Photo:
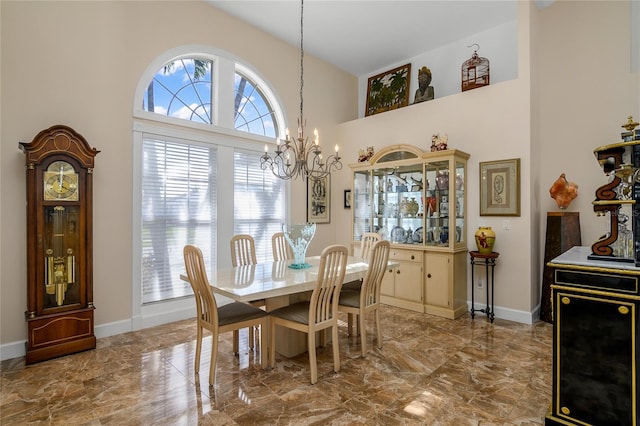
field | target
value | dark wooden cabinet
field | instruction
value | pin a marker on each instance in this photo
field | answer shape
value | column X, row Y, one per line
column 595, row 346
column 59, row 244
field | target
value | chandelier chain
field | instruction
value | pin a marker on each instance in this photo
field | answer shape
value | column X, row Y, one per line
column 301, row 60
column 299, row 157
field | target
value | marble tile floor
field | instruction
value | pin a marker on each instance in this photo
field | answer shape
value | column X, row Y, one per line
column 430, row 371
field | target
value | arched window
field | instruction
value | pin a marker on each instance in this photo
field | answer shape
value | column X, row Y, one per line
column 198, row 178
column 183, row 88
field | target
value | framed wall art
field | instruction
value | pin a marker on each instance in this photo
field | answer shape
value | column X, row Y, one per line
column 319, row 200
column 388, row 90
column 347, row 198
column 500, row 188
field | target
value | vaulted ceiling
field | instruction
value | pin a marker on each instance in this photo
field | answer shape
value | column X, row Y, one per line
column 364, row 36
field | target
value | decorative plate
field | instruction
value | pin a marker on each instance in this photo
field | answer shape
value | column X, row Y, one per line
column 418, row 235
column 397, row 234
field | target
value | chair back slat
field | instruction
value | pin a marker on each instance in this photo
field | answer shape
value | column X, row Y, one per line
column 333, row 265
column 243, row 250
column 206, row 307
column 367, row 242
column 281, row 249
column 370, row 292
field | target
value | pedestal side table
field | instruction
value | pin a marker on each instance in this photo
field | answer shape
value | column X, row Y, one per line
column 489, row 262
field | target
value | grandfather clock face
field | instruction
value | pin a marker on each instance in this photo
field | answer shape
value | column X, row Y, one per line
column 60, row 182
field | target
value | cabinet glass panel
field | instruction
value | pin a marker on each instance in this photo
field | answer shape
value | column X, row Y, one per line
column 437, row 202
column 398, row 203
column 459, row 206
column 361, row 204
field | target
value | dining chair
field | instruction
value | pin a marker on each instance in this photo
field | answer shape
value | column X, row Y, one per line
column 217, row 320
column 243, row 252
column 317, row 314
column 367, row 241
column 281, row 249
column 368, row 299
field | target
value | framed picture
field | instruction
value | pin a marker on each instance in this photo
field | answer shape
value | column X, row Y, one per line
column 319, row 200
column 347, row 198
column 500, row 188
column 388, row 90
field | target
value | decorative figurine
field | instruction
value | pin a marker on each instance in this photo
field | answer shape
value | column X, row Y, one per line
column 424, row 92
column 365, row 155
column 563, row 191
column 439, row 143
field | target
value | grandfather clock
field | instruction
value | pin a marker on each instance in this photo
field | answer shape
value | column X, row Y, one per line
column 59, row 244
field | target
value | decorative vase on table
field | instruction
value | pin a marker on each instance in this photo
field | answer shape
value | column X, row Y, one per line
column 485, row 239
column 299, row 237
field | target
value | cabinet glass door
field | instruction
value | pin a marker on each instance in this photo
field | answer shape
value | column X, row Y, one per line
column 398, row 203
column 459, row 204
column 437, row 203
column 361, row 204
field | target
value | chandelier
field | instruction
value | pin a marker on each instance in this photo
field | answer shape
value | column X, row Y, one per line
column 298, row 157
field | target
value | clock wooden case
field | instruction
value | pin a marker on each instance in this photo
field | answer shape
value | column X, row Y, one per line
column 59, row 244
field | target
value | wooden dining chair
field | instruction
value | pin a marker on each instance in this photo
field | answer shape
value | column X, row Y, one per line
column 367, row 241
column 317, row 314
column 243, row 252
column 281, row 249
column 217, row 320
column 368, row 299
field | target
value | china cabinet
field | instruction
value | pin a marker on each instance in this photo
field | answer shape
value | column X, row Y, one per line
column 416, row 200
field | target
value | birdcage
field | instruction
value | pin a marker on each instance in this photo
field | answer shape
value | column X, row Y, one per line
column 475, row 71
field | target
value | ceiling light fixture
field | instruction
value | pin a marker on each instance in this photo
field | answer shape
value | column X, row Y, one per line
column 296, row 157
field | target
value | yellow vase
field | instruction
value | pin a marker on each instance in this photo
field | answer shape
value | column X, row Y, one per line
column 485, row 239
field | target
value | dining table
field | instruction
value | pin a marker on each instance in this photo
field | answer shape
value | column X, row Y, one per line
column 278, row 284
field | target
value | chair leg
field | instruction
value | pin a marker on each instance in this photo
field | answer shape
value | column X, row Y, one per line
column 236, row 344
column 214, row 358
column 378, row 328
column 313, row 365
column 358, row 330
column 363, row 334
column 272, row 344
column 336, row 349
column 198, row 349
column 263, row 345
column 251, row 344
column 349, row 324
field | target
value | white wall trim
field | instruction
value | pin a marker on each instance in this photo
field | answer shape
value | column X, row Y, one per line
column 522, row 317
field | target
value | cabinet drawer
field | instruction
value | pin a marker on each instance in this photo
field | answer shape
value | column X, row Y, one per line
column 406, row 255
column 597, row 281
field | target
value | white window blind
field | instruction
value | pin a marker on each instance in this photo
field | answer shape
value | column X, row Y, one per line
column 178, row 208
column 259, row 202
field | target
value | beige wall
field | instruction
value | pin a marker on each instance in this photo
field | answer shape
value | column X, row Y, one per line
column 573, row 91
column 78, row 63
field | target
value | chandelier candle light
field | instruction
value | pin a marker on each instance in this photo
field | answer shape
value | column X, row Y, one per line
column 297, row 157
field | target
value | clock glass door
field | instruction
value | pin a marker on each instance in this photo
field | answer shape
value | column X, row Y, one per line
column 61, row 245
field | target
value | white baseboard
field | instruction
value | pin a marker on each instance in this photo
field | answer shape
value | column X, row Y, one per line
column 510, row 314
column 151, row 317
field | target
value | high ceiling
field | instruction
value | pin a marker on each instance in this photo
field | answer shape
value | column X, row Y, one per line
column 364, row 36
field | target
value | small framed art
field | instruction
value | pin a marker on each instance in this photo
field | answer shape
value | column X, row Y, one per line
column 500, row 188
column 347, row 198
column 319, row 200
